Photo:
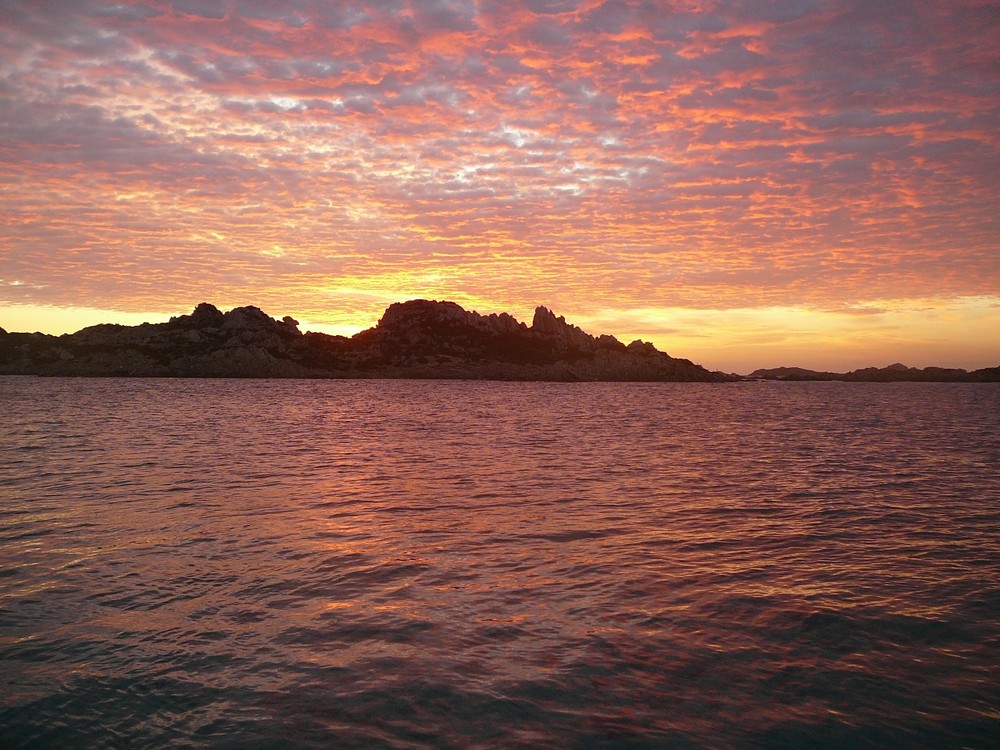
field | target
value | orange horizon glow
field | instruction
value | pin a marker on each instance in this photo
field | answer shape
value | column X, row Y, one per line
column 745, row 185
column 733, row 341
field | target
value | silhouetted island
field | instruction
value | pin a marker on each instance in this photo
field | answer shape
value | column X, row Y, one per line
column 416, row 339
column 894, row 373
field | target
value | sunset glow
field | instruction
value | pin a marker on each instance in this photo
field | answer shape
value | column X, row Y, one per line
column 745, row 184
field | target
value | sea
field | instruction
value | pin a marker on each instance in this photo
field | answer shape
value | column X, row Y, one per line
column 466, row 564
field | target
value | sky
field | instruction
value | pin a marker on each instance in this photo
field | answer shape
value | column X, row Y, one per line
column 750, row 183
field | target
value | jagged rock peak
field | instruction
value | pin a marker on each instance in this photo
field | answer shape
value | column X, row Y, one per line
column 431, row 313
column 249, row 312
column 254, row 319
column 402, row 313
column 642, row 347
column 546, row 323
column 204, row 315
column 207, row 315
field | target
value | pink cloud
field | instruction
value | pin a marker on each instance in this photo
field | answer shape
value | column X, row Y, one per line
column 713, row 153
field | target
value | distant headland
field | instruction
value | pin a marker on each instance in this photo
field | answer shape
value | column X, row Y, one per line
column 423, row 339
column 895, row 373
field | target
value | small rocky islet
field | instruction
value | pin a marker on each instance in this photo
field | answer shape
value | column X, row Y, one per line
column 894, row 373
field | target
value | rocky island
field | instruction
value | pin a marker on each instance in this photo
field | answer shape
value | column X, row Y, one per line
column 415, row 339
column 894, row 373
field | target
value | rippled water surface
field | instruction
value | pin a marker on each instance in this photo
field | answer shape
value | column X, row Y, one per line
column 399, row 564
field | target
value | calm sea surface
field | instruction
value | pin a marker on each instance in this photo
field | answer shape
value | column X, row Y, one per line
column 403, row 564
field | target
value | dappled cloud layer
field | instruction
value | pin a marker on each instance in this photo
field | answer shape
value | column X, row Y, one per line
column 659, row 165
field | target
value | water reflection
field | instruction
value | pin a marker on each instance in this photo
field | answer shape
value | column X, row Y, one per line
column 466, row 564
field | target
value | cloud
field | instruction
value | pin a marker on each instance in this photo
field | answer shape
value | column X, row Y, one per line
column 547, row 7
column 627, row 152
column 199, row 8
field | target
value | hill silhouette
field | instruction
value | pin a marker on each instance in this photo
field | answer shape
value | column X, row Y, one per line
column 894, row 373
column 415, row 339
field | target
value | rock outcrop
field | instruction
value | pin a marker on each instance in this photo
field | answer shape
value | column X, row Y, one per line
column 416, row 339
column 244, row 342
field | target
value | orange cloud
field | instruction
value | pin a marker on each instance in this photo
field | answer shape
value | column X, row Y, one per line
column 633, row 156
